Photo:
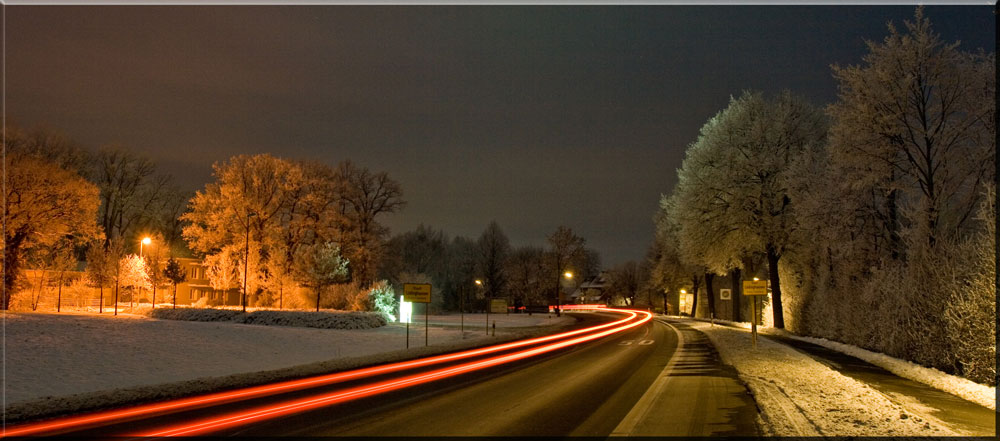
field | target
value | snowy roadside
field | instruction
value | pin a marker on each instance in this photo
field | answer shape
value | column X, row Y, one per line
column 68, row 363
column 960, row 387
column 977, row 393
column 799, row 396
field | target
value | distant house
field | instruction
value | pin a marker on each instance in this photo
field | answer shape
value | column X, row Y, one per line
column 591, row 291
column 197, row 286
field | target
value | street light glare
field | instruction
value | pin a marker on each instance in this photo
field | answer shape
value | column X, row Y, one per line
column 479, row 282
column 568, row 275
column 146, row 240
column 755, row 279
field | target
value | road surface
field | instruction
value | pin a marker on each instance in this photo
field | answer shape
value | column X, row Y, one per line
column 654, row 379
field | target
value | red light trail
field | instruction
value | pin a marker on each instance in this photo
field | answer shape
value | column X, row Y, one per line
column 286, row 386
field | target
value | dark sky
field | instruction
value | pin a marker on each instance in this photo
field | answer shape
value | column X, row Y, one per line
column 530, row 116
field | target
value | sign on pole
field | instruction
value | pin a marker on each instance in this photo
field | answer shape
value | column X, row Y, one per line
column 725, row 294
column 417, row 292
column 498, row 306
column 755, row 287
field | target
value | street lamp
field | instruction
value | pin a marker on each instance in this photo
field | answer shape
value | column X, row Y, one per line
column 567, row 275
column 246, row 265
column 145, row 241
column 479, row 283
column 681, row 300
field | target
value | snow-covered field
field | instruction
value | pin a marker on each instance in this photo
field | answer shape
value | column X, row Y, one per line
column 799, row 396
column 57, row 355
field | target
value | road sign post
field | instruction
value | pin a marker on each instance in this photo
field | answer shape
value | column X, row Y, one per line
column 755, row 288
column 418, row 293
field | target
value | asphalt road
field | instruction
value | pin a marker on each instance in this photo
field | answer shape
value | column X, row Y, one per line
column 587, row 390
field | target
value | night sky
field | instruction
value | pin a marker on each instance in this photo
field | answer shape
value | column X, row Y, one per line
column 531, row 116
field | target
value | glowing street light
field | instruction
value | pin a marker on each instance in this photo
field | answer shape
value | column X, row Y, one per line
column 145, row 241
column 246, row 265
column 479, row 283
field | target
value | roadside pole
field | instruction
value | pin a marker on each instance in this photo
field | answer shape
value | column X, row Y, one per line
column 417, row 293
column 755, row 288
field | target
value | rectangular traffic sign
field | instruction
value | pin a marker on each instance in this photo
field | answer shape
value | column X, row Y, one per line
column 725, row 294
column 417, row 292
column 755, row 287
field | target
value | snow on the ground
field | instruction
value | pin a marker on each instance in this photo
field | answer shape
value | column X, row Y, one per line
column 308, row 319
column 977, row 393
column 51, row 356
column 799, row 396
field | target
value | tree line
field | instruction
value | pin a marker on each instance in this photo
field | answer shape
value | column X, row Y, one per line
column 525, row 276
column 277, row 221
column 873, row 219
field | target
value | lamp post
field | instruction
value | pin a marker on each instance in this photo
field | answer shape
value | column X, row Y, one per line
column 246, row 265
column 479, row 283
column 568, row 275
column 145, row 241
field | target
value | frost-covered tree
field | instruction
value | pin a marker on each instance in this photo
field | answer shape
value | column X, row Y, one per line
column 382, row 299
column 321, row 266
column 915, row 126
column 134, row 275
column 43, row 203
column 221, row 271
column 732, row 196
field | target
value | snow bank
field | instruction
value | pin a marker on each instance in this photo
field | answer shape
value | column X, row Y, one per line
column 62, row 363
column 977, row 393
column 308, row 319
column 799, row 396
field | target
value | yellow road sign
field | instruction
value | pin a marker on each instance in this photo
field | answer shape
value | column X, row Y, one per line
column 755, row 288
column 417, row 292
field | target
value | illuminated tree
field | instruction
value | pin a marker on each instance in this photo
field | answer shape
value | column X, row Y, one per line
column 100, row 268
column 732, row 194
column 221, row 270
column 43, row 204
column 134, row 275
column 321, row 266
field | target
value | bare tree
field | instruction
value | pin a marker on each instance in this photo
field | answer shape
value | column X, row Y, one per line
column 494, row 247
column 565, row 248
column 365, row 195
column 131, row 192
